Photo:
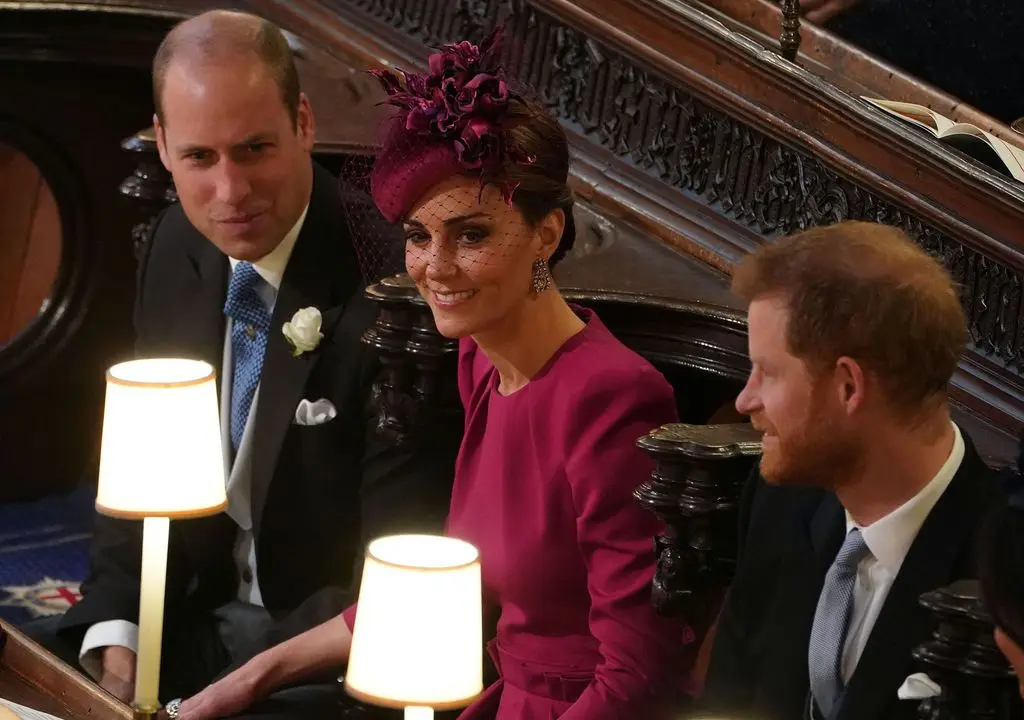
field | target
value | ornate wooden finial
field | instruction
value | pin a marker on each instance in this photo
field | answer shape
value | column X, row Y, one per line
column 962, row 658
column 698, row 476
column 150, row 184
column 789, row 41
column 413, row 356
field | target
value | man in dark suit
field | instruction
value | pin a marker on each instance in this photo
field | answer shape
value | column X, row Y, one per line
column 868, row 494
column 254, row 272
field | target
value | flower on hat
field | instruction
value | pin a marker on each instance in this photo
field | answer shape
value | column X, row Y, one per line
column 463, row 99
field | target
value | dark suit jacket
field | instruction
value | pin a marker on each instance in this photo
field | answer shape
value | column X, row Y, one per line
column 788, row 539
column 318, row 492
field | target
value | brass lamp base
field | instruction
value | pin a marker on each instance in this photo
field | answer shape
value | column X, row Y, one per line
column 145, row 712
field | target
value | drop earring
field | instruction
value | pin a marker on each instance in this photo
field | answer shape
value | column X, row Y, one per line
column 541, row 279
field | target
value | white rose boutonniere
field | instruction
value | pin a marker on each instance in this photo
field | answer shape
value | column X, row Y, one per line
column 303, row 331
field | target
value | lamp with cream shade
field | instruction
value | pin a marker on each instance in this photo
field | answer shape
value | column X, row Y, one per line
column 417, row 643
column 161, row 458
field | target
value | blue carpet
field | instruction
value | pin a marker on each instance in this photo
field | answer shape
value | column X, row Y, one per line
column 44, row 554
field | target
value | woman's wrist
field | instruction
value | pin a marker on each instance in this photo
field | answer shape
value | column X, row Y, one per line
column 269, row 670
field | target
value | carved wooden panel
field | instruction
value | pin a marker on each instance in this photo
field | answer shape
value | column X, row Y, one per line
column 694, row 150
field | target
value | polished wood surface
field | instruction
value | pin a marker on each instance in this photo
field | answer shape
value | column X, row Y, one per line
column 697, row 136
column 31, row 676
column 849, row 67
column 693, row 144
column 73, row 85
column 962, row 658
column 29, row 242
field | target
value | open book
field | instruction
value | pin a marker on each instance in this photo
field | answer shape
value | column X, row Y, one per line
column 968, row 139
column 10, row 710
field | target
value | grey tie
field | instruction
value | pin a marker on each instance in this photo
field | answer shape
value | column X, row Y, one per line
column 831, row 620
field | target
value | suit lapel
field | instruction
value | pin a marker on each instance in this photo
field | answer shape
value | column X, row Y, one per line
column 931, row 563
column 320, row 275
column 803, row 576
column 827, row 530
column 202, row 331
column 204, row 324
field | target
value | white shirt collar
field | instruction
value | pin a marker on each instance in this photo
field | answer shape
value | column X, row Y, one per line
column 271, row 266
column 889, row 538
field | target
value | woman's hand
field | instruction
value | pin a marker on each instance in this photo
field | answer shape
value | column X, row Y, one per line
column 230, row 695
column 325, row 646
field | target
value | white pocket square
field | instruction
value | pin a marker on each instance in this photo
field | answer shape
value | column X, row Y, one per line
column 317, row 412
column 918, row 687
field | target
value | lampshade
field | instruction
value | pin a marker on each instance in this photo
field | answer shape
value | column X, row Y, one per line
column 418, row 637
column 161, row 452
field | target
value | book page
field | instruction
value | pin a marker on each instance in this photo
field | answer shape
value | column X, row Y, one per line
column 1011, row 156
column 23, row 713
column 917, row 114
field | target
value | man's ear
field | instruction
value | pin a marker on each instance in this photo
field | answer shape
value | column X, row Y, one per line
column 161, row 142
column 305, row 123
column 851, row 384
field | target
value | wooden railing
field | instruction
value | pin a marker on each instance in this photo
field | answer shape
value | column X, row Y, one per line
column 693, row 144
column 712, row 143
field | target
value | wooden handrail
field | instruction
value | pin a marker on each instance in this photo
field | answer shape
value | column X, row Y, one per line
column 849, row 67
column 32, row 676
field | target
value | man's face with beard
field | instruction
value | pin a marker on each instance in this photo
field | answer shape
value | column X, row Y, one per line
column 807, row 437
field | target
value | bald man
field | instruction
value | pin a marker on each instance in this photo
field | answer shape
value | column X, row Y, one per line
column 258, row 235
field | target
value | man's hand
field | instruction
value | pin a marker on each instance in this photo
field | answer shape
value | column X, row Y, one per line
column 118, row 677
column 821, row 11
column 228, row 696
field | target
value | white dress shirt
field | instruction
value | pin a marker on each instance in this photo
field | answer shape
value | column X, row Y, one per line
column 888, row 540
column 271, row 268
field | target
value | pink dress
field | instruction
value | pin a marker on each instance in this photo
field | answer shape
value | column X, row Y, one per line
column 543, row 487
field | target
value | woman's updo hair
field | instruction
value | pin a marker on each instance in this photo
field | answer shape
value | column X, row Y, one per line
column 543, row 185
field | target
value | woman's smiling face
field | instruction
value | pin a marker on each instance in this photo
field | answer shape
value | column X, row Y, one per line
column 470, row 254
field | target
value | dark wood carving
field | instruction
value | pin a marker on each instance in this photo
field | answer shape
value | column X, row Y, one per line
column 698, row 476
column 150, row 184
column 766, row 185
column 677, row 141
column 418, row 370
column 688, row 151
column 789, row 41
column 962, row 658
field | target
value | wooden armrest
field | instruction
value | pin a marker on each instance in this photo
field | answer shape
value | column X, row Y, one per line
column 32, row 676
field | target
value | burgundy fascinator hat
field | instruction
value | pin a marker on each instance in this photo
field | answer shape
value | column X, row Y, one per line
column 451, row 120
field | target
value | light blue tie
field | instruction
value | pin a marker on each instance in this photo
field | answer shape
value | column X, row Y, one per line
column 250, row 328
column 831, row 621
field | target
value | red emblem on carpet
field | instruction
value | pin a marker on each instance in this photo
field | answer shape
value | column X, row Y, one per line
column 45, row 598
